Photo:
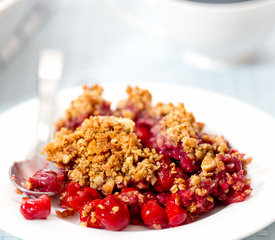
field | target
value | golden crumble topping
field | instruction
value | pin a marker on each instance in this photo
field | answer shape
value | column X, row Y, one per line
column 102, row 153
column 138, row 100
column 161, row 109
column 179, row 124
column 105, row 152
column 88, row 103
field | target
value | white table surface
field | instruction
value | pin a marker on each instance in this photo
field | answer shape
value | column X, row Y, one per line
column 98, row 47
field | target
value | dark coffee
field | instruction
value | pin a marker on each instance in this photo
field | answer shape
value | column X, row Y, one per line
column 219, row 1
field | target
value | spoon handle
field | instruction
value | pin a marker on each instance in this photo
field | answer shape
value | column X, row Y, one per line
column 49, row 75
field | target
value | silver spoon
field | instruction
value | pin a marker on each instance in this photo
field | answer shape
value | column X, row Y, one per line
column 49, row 74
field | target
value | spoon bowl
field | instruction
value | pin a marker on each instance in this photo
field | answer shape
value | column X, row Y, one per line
column 20, row 173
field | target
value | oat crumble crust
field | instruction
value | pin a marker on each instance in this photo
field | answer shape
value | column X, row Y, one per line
column 89, row 102
column 105, row 152
column 102, row 153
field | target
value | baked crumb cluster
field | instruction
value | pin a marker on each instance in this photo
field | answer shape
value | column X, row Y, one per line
column 139, row 100
column 102, row 153
column 90, row 102
column 154, row 159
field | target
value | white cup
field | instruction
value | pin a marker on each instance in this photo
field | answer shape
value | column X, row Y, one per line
column 226, row 32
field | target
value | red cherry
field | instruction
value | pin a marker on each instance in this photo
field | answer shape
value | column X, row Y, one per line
column 178, row 153
column 74, row 196
column 166, row 175
column 149, row 195
column 163, row 198
column 88, row 215
column 71, row 188
column 45, row 180
column 165, row 180
column 153, row 215
column 39, row 208
column 131, row 196
column 143, row 133
column 239, row 196
column 84, row 196
column 134, row 200
column 176, row 214
column 113, row 213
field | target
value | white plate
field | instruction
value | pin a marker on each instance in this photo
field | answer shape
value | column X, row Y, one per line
column 248, row 129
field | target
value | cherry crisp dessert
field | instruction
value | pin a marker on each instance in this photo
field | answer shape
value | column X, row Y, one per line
column 141, row 164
